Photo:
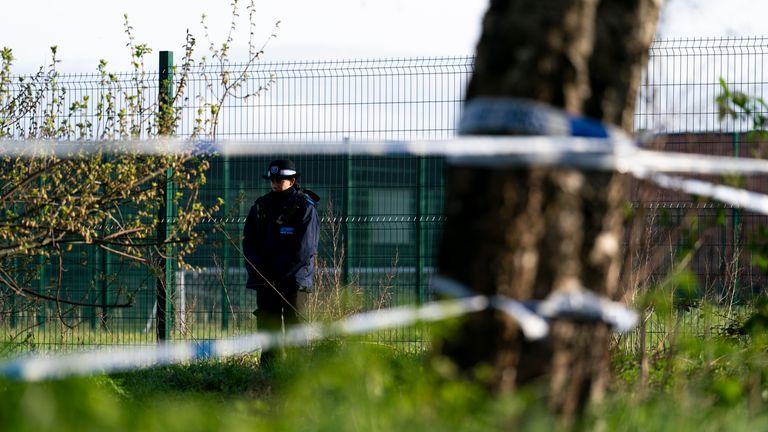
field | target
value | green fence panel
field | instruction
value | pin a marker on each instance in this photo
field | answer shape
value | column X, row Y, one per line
column 381, row 215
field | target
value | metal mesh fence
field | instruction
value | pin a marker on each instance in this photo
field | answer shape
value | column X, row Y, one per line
column 381, row 216
column 681, row 84
column 80, row 106
column 395, row 99
column 386, row 211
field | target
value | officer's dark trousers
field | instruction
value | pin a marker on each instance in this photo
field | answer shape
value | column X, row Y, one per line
column 274, row 310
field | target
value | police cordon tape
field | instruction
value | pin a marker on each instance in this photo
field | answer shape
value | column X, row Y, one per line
column 609, row 153
column 576, row 305
column 744, row 199
column 111, row 360
column 550, row 137
column 612, row 153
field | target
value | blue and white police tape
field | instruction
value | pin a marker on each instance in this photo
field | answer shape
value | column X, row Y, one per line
column 551, row 137
column 741, row 198
column 575, row 306
column 112, row 359
column 574, row 303
column 489, row 152
column 517, row 116
column 456, row 147
column 510, row 116
column 641, row 162
column 613, row 153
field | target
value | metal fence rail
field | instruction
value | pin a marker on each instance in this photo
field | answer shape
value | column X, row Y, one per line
column 382, row 214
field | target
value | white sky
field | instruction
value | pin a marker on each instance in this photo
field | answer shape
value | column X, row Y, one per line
column 88, row 30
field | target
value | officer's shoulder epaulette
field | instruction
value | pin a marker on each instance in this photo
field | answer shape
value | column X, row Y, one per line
column 311, row 197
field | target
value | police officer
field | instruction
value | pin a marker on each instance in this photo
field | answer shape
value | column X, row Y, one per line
column 279, row 243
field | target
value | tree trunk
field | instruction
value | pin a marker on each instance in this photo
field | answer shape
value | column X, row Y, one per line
column 525, row 232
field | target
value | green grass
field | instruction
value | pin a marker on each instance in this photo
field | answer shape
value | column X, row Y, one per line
column 719, row 382
column 336, row 386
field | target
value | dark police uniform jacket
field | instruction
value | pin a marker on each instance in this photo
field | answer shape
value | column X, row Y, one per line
column 280, row 240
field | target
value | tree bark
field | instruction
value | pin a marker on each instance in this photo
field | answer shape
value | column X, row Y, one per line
column 526, row 232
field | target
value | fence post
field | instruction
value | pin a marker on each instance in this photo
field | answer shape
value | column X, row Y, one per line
column 106, row 270
column 348, row 197
column 12, row 301
column 41, row 282
column 165, row 212
column 93, row 276
column 736, row 221
column 41, row 290
column 242, row 297
column 225, row 252
column 420, row 237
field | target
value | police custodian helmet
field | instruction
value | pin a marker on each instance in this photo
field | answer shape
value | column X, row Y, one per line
column 281, row 169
